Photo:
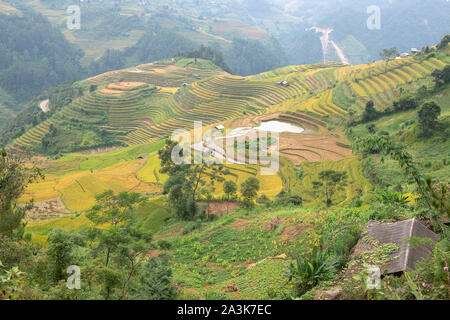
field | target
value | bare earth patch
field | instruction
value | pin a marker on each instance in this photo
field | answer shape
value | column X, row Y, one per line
column 316, row 143
column 308, row 147
column 125, row 85
column 154, row 253
column 290, row 232
column 147, row 122
column 47, row 209
column 252, row 121
column 218, row 207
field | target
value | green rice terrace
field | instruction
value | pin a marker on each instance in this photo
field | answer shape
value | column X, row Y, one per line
column 145, row 104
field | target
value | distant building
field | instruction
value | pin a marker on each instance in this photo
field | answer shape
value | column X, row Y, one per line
column 283, row 83
column 404, row 55
column 415, row 51
column 399, row 233
column 220, row 127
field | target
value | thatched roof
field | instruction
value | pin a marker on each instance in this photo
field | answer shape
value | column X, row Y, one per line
column 399, row 233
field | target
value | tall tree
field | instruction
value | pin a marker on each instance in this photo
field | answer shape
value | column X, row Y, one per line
column 230, row 188
column 441, row 77
column 249, row 191
column 60, row 247
column 370, row 113
column 187, row 182
column 15, row 175
column 132, row 248
column 155, row 281
column 428, row 117
column 329, row 182
column 387, row 54
column 112, row 209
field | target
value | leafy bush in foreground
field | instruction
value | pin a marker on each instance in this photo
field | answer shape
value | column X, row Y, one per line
column 308, row 271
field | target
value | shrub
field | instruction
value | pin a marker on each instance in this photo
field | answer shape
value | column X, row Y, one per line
column 343, row 243
column 405, row 103
column 164, row 244
column 191, row 226
column 263, row 200
column 308, row 271
column 389, row 212
column 299, row 173
column 155, row 281
column 10, row 283
column 371, row 128
column 357, row 202
column 392, row 197
column 216, row 295
column 286, row 199
column 338, row 237
column 213, row 217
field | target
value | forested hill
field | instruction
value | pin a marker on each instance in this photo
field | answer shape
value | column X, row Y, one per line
column 33, row 56
column 37, row 51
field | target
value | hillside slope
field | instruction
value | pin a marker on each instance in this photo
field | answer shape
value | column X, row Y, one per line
column 134, row 113
column 34, row 55
column 140, row 107
column 296, row 219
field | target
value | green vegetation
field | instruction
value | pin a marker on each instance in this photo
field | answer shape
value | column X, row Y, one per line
column 330, row 181
column 206, row 53
column 143, row 227
column 386, row 54
column 308, row 271
column 249, row 191
column 34, row 56
column 14, row 177
column 428, row 115
column 187, row 182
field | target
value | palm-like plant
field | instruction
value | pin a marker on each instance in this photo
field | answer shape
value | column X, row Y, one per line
column 308, row 271
column 393, row 197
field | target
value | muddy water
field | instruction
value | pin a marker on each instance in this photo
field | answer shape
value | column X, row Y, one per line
column 214, row 144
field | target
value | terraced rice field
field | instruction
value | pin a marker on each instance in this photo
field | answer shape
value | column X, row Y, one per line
column 271, row 185
column 141, row 113
column 120, row 107
column 357, row 184
column 380, row 84
column 167, row 73
column 316, row 143
column 220, row 98
column 75, row 179
column 35, row 134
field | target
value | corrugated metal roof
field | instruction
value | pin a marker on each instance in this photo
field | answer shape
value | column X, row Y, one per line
column 400, row 233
